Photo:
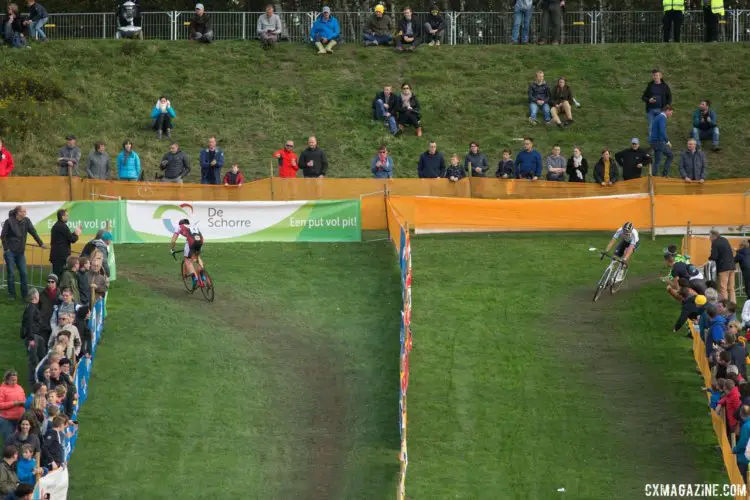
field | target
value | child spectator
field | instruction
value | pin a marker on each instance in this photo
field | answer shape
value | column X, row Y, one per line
column 716, row 391
column 730, row 401
column 739, row 448
column 162, row 115
column 382, row 165
column 455, row 171
column 505, row 166
column 577, row 166
column 234, row 177
column 26, row 465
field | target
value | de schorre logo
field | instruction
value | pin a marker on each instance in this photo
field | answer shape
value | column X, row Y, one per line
column 162, row 212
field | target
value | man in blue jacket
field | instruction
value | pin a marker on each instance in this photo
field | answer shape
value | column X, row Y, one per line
column 658, row 139
column 715, row 334
column 704, row 124
column 431, row 163
column 212, row 161
column 325, row 32
column 528, row 161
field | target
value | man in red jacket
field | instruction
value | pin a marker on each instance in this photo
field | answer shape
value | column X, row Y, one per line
column 6, row 161
column 287, row 160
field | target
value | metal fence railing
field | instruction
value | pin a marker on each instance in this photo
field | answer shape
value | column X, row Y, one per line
column 470, row 28
column 37, row 269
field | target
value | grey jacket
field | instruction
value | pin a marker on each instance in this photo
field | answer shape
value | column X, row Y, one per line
column 178, row 165
column 524, row 4
column 97, row 165
column 477, row 160
column 559, row 162
column 693, row 165
column 265, row 24
column 69, row 153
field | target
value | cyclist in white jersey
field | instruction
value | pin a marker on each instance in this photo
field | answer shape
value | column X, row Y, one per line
column 627, row 241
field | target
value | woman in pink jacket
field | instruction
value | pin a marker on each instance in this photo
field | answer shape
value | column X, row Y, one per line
column 12, row 400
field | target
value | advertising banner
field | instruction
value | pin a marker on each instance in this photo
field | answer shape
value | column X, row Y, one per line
column 90, row 216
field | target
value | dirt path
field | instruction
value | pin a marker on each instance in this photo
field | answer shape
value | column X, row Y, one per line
column 324, row 409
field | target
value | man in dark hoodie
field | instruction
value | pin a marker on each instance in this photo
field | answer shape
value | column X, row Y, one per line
column 431, row 163
column 61, row 238
column 13, row 235
column 656, row 96
column 175, row 164
column 633, row 160
column 201, row 28
column 313, row 160
column 434, row 28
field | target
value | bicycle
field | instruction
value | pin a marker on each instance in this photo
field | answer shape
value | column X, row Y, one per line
column 205, row 282
column 614, row 269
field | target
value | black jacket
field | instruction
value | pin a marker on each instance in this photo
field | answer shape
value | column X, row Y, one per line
column 661, row 92
column 413, row 102
column 436, row 22
column 629, row 159
column 37, row 12
column 46, row 308
column 61, row 237
column 14, row 232
column 458, row 171
column 570, row 169
column 722, row 254
column 505, row 168
column 599, row 171
column 84, row 287
column 178, row 165
column 416, row 27
column 739, row 357
column 392, row 103
column 30, row 322
column 53, row 448
column 319, row 159
column 431, row 166
column 201, row 24
column 743, row 259
column 690, row 310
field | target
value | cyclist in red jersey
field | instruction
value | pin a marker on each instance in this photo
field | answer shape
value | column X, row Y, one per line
column 193, row 245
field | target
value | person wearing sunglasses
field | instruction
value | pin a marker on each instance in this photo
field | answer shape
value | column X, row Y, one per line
column 287, row 158
column 409, row 110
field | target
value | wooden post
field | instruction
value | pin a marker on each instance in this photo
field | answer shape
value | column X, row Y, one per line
column 70, row 183
column 270, row 179
column 653, row 205
column 385, row 204
column 686, row 241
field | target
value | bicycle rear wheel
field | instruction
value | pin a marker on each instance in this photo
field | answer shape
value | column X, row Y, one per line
column 617, row 284
column 187, row 278
column 208, row 287
column 603, row 282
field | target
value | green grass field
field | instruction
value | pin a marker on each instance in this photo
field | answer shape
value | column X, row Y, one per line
column 254, row 100
column 286, row 386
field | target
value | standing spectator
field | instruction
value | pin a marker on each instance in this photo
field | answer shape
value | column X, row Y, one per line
column 556, row 166
column 577, row 166
column 633, row 160
column 26, row 464
column 409, row 110
column 382, row 165
column 684, row 271
column 692, row 307
column 741, row 445
column 528, row 161
column 97, row 164
column 455, row 172
column 693, row 163
column 8, row 478
column 31, row 326
column 605, row 170
column 175, row 164
column 712, row 11
column 723, row 256
column 551, row 21
column 12, row 400
column 539, row 96
column 212, row 161
column 660, row 142
column 743, row 260
column 673, row 14
column 287, row 158
column 384, row 108
column 434, row 28
column 38, row 18
column 730, row 401
column 13, row 235
column 325, row 32
column 69, row 278
column 61, row 238
column 562, row 100
column 522, row 12
column 268, row 28
column 47, row 301
column 505, row 166
column 102, row 246
column 128, row 163
column 705, row 125
column 13, row 28
column 201, row 27
column 6, row 161
column 714, row 336
column 410, row 32
column 736, row 349
column 69, row 157
column 475, row 161
column 313, row 160
column 379, row 30
column 84, row 281
column 162, row 115
column 24, row 435
column 22, row 492
column 656, row 96
column 53, row 451
column 431, row 163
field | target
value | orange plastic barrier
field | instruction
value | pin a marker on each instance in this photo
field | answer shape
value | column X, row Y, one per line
column 483, row 187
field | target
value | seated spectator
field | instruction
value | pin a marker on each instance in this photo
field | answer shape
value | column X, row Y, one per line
column 31, row 332
column 562, row 101
column 13, row 29
column 633, row 160
column 382, row 165
column 409, row 33
column 605, row 170
column 577, row 166
column 686, row 271
column 409, row 110
column 201, row 27
column 455, row 171
column 384, row 108
column 705, row 125
column 741, row 445
column 731, row 401
column 26, row 465
column 268, row 28
column 379, row 29
column 313, row 160
column 175, row 164
column 24, row 435
column 287, row 159
column 742, row 258
column 234, row 177
column 539, row 97
column 8, row 477
column 69, row 278
column 128, row 163
column 528, row 161
column 162, row 115
column 556, row 165
column 325, row 32
column 36, row 21
column 97, row 163
column 212, row 161
column 12, row 401
column 69, row 157
column 431, row 163
column 505, row 166
column 434, row 28
column 692, row 307
column 693, row 163
column 6, row 161
column 475, row 161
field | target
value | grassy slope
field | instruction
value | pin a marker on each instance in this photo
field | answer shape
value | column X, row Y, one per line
column 254, row 100
column 520, row 385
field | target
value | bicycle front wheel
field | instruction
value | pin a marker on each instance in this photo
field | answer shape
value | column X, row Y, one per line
column 208, row 287
column 618, row 279
column 603, row 282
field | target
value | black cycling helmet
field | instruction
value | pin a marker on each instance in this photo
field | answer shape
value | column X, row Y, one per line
column 184, row 222
column 627, row 228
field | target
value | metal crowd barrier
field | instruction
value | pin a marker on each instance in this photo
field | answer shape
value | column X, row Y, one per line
column 37, row 269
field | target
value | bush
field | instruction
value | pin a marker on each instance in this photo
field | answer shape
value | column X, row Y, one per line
column 15, row 86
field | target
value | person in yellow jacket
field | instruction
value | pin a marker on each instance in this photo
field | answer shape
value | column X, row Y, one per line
column 673, row 14
column 712, row 12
